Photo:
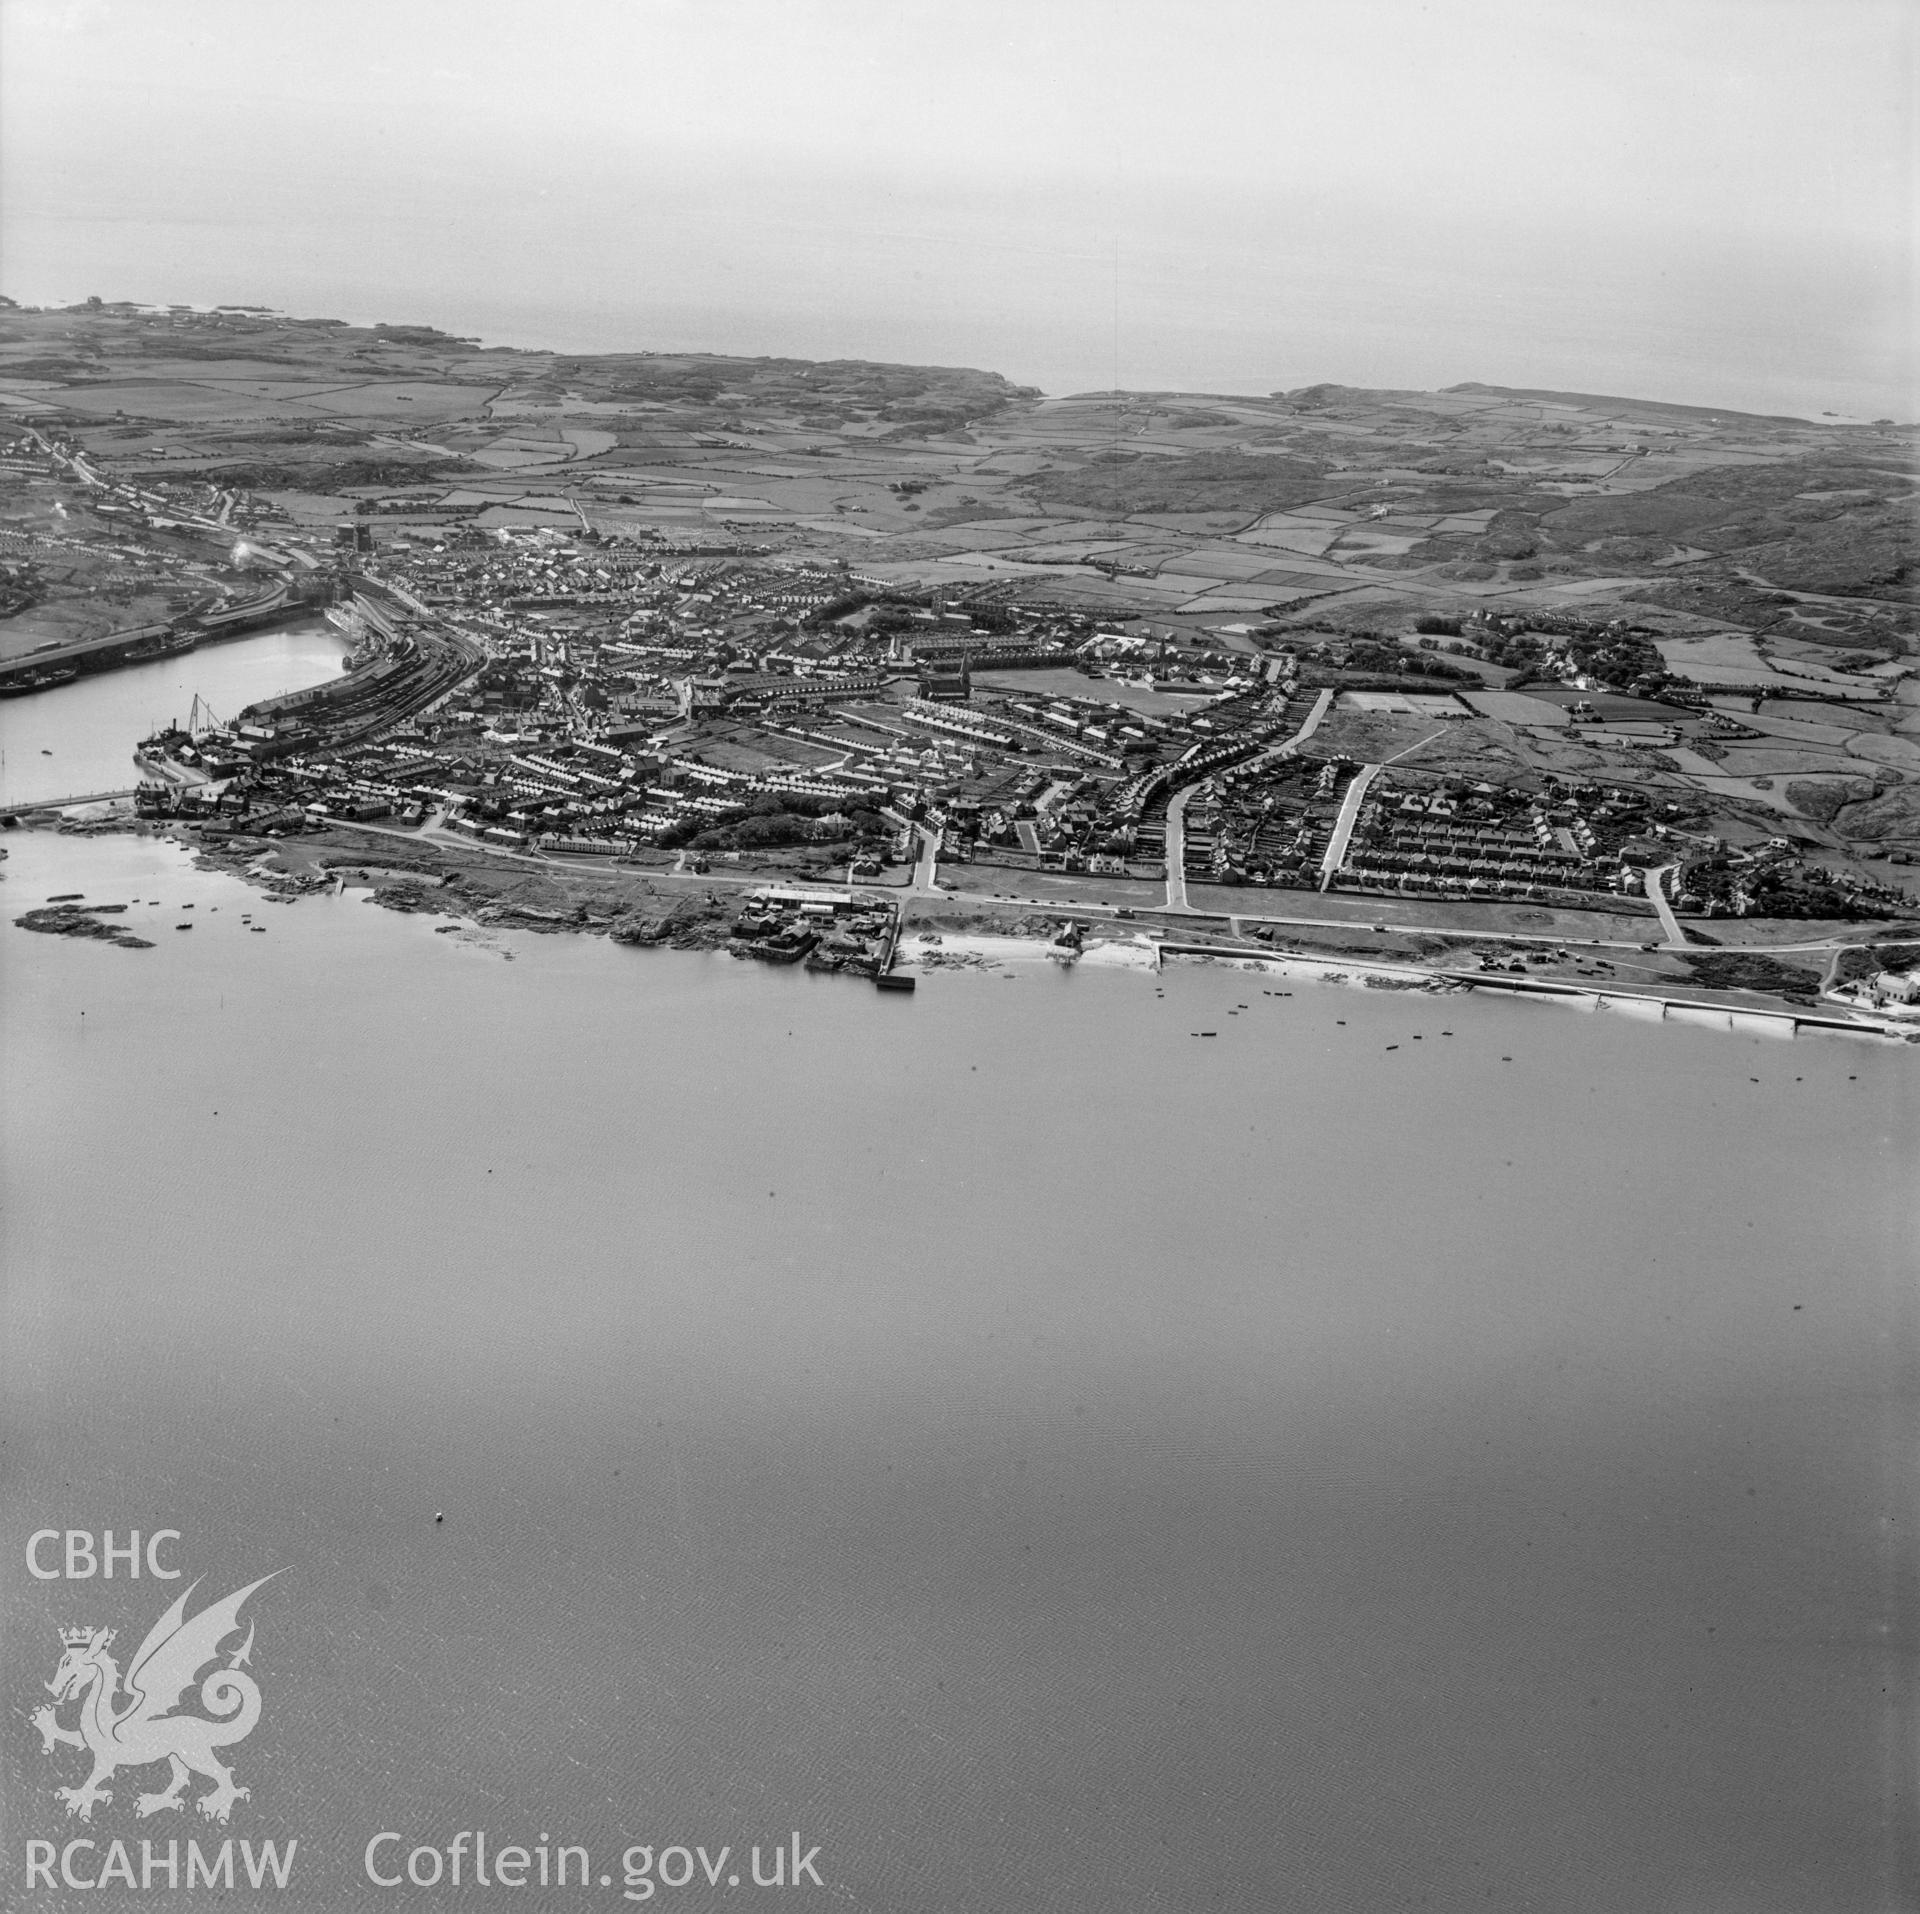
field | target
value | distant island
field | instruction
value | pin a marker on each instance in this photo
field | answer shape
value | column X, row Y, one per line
column 824, row 660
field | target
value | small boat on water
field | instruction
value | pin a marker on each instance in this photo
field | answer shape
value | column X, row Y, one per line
column 895, row 980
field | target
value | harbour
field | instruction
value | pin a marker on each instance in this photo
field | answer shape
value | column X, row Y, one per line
column 789, row 1089
column 89, row 730
column 59, row 664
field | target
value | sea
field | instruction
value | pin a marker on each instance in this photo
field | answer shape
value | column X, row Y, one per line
column 1220, row 293
column 994, row 1448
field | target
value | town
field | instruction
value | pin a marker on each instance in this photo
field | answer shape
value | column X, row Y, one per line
column 543, row 692
column 557, row 671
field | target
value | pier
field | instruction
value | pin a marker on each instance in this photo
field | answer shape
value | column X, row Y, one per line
column 67, row 803
column 143, row 643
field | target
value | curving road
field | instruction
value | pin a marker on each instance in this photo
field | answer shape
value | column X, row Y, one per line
column 1177, row 805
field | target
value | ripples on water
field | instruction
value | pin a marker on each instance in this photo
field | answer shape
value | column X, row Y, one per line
column 1052, row 1463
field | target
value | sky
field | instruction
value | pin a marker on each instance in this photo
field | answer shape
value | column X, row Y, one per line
column 1707, row 201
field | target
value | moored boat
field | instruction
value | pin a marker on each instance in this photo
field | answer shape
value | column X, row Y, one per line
column 38, row 680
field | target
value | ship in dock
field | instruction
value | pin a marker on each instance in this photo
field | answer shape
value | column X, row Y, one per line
column 140, row 644
column 21, row 683
column 163, row 642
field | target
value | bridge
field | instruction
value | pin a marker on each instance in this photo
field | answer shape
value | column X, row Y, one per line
column 66, row 803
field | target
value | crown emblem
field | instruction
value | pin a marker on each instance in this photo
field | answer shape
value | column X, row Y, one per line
column 149, row 1725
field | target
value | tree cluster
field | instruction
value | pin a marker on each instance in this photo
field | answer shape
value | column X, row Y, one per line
column 772, row 820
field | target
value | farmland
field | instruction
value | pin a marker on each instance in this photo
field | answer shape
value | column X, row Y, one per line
column 1709, row 619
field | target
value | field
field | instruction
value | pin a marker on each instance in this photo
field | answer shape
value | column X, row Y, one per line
column 1763, row 554
column 1205, row 508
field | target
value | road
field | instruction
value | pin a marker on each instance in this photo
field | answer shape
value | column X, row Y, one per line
column 1356, row 793
column 1321, row 706
column 1654, row 881
column 1343, row 824
column 927, row 869
column 1177, row 849
column 1177, row 805
column 1085, row 907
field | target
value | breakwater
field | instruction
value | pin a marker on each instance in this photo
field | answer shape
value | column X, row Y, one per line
column 1653, row 1007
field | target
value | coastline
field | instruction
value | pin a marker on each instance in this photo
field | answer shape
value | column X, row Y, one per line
column 478, row 892
column 820, row 1231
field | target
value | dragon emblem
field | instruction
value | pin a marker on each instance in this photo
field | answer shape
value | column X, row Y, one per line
column 138, row 1728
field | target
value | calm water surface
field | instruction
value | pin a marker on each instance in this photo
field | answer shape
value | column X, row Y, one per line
column 1053, row 1461
column 79, row 738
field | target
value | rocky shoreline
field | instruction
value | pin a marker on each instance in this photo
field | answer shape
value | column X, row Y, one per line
column 82, row 920
column 477, row 893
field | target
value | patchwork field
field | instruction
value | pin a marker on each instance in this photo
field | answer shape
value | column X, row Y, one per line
column 1769, row 555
